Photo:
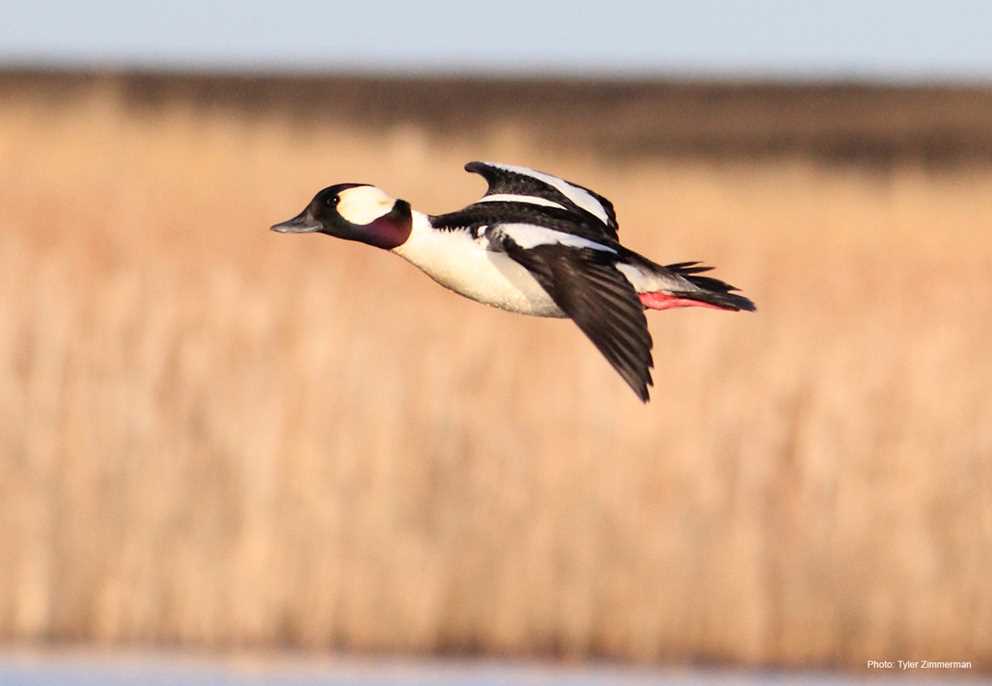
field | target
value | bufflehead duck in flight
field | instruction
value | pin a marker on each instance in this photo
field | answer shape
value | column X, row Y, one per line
column 534, row 244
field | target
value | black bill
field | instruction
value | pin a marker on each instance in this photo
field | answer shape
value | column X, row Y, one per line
column 301, row 223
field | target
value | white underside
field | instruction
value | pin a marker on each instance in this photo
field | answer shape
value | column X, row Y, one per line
column 463, row 264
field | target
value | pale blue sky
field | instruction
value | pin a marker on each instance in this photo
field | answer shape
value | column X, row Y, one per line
column 838, row 38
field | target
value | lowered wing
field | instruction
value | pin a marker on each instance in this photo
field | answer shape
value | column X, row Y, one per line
column 581, row 278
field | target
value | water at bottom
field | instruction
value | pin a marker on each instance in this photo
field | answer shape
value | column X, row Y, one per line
column 71, row 668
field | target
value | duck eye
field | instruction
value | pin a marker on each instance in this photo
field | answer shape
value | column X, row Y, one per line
column 331, row 201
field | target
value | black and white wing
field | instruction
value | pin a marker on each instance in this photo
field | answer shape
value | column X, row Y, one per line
column 510, row 183
column 581, row 278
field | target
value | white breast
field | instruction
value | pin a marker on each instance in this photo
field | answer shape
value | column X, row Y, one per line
column 462, row 263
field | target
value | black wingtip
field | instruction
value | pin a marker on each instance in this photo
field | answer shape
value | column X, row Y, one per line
column 644, row 395
column 479, row 167
column 639, row 379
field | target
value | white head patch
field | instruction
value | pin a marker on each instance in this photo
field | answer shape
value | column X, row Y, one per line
column 364, row 204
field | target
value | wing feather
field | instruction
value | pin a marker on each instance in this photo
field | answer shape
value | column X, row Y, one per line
column 513, row 183
column 587, row 286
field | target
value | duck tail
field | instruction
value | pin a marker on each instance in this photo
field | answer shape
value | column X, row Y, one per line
column 695, row 290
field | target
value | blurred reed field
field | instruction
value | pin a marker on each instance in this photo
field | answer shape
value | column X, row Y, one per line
column 216, row 436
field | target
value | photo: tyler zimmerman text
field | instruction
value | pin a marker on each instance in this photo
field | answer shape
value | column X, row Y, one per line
column 905, row 665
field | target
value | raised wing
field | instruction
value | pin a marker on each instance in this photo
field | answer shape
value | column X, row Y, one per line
column 514, row 184
column 585, row 284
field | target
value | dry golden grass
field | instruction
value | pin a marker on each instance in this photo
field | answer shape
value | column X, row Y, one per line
column 218, row 436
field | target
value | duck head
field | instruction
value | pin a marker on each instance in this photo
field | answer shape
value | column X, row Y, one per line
column 354, row 212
